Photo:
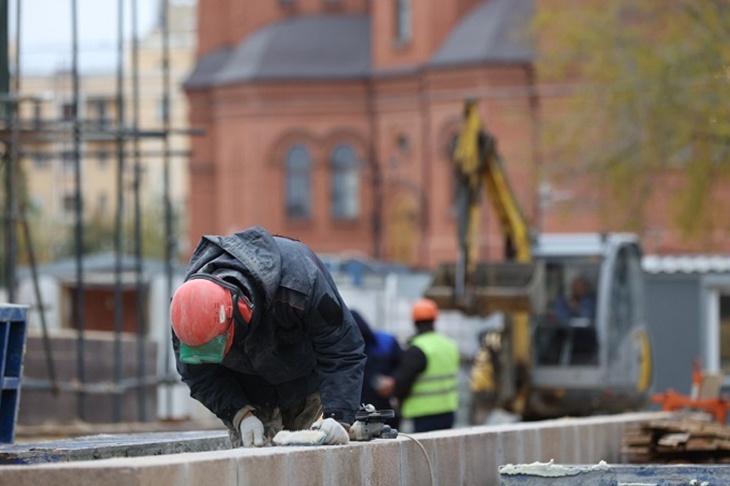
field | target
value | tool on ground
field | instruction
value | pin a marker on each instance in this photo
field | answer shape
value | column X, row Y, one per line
column 299, row 438
column 705, row 395
column 370, row 424
column 326, row 432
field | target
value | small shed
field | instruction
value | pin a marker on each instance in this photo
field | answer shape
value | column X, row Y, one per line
column 688, row 313
column 100, row 376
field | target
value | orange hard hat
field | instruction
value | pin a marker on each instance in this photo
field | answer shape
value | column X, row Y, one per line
column 202, row 309
column 424, row 310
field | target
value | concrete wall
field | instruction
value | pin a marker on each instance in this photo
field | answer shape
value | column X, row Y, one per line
column 469, row 456
column 38, row 405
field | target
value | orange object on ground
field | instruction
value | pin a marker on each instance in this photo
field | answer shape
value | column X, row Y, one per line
column 673, row 401
column 706, row 398
column 697, row 378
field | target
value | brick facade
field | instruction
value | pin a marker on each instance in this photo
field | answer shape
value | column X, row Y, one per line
column 399, row 118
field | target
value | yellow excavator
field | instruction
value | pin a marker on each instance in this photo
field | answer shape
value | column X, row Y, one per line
column 560, row 353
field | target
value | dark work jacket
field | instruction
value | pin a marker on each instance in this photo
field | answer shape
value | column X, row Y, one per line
column 301, row 338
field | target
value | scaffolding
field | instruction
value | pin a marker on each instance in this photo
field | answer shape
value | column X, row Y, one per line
column 126, row 135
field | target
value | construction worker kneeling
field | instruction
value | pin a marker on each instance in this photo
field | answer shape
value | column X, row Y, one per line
column 264, row 340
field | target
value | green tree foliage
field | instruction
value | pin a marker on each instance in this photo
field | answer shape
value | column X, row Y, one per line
column 99, row 235
column 637, row 92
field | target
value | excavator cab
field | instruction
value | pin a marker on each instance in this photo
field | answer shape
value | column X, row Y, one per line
column 591, row 351
column 565, row 331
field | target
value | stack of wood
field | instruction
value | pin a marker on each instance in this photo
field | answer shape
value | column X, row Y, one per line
column 677, row 440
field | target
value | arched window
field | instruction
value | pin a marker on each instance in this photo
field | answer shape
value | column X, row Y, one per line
column 403, row 21
column 345, row 183
column 298, row 188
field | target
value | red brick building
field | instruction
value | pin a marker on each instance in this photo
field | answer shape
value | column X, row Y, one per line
column 331, row 120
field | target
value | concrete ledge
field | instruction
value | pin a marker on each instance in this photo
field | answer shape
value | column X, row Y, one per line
column 467, row 456
column 107, row 446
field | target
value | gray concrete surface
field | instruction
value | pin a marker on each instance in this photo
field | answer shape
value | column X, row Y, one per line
column 616, row 474
column 105, row 446
column 466, row 456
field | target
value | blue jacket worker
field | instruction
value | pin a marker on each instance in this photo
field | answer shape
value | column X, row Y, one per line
column 384, row 355
column 264, row 340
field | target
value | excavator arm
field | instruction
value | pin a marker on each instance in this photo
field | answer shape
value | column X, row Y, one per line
column 478, row 165
column 512, row 286
column 482, row 288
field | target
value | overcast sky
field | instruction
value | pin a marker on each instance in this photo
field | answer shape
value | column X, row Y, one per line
column 45, row 27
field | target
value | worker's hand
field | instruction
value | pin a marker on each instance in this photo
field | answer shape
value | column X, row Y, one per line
column 252, row 431
column 385, row 386
column 335, row 433
column 358, row 431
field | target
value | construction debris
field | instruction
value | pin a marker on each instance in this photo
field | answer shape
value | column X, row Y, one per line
column 681, row 440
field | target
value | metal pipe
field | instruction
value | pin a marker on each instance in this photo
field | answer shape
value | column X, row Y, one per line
column 79, row 308
column 33, row 133
column 98, row 387
column 169, row 230
column 146, row 153
column 50, row 366
column 141, row 327
column 16, row 155
column 376, row 179
column 11, row 237
column 118, row 304
column 426, row 245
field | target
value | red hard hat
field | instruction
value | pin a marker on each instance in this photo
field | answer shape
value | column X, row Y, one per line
column 424, row 310
column 202, row 310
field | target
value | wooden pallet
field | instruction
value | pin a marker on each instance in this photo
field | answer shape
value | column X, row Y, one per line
column 671, row 441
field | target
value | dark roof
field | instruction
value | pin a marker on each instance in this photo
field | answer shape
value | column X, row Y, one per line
column 207, row 68
column 338, row 47
column 307, row 47
column 495, row 31
column 103, row 262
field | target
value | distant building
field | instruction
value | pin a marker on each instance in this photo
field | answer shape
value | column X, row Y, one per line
column 47, row 150
column 332, row 121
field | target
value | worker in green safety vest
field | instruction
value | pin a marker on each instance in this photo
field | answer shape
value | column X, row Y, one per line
column 425, row 385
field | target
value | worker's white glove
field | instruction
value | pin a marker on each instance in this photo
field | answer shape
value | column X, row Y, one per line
column 335, row 433
column 252, row 431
